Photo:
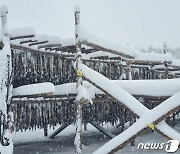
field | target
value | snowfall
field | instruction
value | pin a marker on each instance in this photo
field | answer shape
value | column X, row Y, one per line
column 34, row 141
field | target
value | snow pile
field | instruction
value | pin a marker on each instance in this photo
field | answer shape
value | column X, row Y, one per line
column 42, row 37
column 65, row 89
column 100, row 54
column 24, row 31
column 82, row 93
column 163, row 87
column 70, row 88
column 154, row 57
column 54, row 40
column 6, row 149
column 176, row 62
column 85, row 36
column 68, row 42
column 33, row 89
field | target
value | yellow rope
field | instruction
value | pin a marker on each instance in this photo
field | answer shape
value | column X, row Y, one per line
column 79, row 73
column 152, row 126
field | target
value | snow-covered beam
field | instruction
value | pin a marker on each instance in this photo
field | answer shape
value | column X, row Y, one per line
column 37, row 43
column 155, row 116
column 101, row 48
column 123, row 97
column 21, row 37
column 27, row 41
column 49, row 46
column 20, row 33
column 34, row 89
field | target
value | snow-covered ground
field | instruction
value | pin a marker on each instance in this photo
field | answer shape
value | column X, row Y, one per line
column 33, row 142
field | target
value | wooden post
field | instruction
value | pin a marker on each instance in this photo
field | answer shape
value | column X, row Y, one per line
column 166, row 70
column 6, row 83
column 45, row 131
column 103, row 130
column 78, row 141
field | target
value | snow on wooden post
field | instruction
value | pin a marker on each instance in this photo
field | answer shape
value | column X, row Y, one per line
column 6, row 84
column 77, row 141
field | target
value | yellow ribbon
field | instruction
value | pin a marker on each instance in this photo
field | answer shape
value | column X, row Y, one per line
column 152, row 126
column 79, row 73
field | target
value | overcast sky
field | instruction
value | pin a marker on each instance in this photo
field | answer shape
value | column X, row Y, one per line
column 137, row 22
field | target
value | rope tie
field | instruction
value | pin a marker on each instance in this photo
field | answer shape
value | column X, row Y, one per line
column 79, row 73
column 152, row 126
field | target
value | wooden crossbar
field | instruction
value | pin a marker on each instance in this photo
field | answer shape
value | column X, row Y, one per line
column 21, row 37
column 113, row 97
column 146, row 128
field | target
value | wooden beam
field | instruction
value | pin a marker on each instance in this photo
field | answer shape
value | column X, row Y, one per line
column 49, row 46
column 97, row 47
column 103, row 130
column 100, row 57
column 144, row 62
column 60, row 129
column 37, row 43
column 27, row 49
column 21, row 37
column 146, row 128
column 28, row 41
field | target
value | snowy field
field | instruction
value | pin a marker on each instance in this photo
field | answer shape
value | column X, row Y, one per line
column 35, row 143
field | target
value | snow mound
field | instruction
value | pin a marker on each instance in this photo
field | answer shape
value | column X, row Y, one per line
column 33, row 89
column 24, row 31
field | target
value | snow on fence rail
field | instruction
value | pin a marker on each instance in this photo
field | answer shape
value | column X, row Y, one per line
column 156, row 88
column 34, row 89
column 27, row 40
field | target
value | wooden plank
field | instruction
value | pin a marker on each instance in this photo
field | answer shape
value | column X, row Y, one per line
column 103, row 130
column 28, row 41
column 27, row 49
column 21, row 37
column 144, row 62
column 97, row 98
column 37, row 43
column 60, row 129
column 48, row 46
column 146, row 128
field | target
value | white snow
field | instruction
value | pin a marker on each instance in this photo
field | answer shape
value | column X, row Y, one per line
column 100, row 54
column 24, row 31
column 33, row 89
column 42, row 37
column 148, row 117
column 154, row 57
column 54, row 40
column 5, row 85
column 163, row 87
column 133, row 104
column 68, row 41
column 82, row 93
column 85, row 36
